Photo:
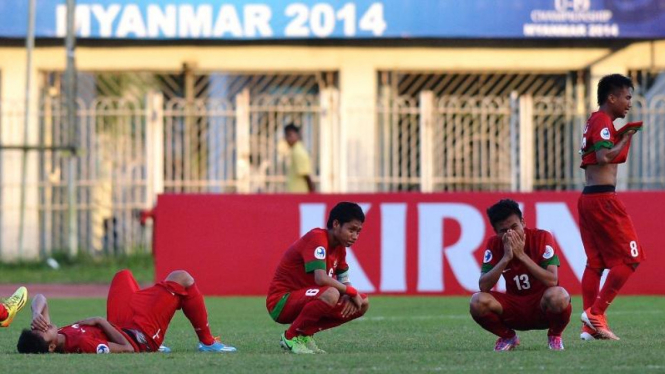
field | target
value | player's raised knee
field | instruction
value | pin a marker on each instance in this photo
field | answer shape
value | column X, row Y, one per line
column 364, row 307
column 181, row 277
column 479, row 303
column 556, row 299
column 330, row 296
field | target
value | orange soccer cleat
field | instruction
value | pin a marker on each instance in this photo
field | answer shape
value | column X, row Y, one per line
column 598, row 323
column 588, row 333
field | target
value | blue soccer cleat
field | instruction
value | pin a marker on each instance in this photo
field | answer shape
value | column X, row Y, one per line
column 164, row 349
column 217, row 346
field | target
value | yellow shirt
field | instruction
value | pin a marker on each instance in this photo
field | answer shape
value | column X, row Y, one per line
column 299, row 167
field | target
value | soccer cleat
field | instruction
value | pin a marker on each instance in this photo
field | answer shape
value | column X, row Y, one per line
column 164, row 349
column 311, row 344
column 296, row 345
column 598, row 323
column 555, row 343
column 588, row 333
column 509, row 344
column 216, row 346
column 14, row 304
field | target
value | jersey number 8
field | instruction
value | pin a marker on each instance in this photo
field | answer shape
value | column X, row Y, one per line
column 633, row 249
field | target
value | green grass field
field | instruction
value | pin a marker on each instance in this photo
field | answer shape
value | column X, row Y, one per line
column 398, row 335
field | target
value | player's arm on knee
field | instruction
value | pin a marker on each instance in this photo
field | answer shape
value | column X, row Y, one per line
column 322, row 279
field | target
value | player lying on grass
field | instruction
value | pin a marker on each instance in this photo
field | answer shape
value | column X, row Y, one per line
column 528, row 262
column 311, row 288
column 12, row 305
column 137, row 320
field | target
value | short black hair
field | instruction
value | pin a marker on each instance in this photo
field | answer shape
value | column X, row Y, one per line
column 31, row 342
column 345, row 212
column 291, row 127
column 502, row 210
column 610, row 84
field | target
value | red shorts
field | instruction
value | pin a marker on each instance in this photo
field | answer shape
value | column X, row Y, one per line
column 522, row 312
column 146, row 313
column 285, row 308
column 607, row 231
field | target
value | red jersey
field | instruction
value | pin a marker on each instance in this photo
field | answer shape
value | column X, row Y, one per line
column 599, row 132
column 311, row 252
column 86, row 339
column 538, row 245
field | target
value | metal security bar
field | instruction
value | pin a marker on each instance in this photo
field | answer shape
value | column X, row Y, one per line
column 472, row 148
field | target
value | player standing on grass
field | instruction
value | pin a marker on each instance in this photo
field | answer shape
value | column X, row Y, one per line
column 528, row 262
column 12, row 305
column 311, row 288
column 137, row 320
column 609, row 238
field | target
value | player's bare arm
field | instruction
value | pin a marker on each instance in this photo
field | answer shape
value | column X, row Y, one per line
column 322, row 279
column 489, row 279
column 40, row 314
column 548, row 276
column 310, row 183
column 117, row 342
column 605, row 173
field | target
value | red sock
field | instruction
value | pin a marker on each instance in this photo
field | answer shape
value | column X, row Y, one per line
column 308, row 318
column 333, row 319
column 590, row 286
column 492, row 323
column 615, row 280
column 558, row 321
column 3, row 312
column 195, row 310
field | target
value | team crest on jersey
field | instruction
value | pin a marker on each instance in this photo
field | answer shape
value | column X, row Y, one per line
column 103, row 348
column 320, row 253
column 487, row 257
column 549, row 252
column 605, row 133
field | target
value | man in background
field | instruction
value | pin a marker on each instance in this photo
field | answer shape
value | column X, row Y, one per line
column 300, row 166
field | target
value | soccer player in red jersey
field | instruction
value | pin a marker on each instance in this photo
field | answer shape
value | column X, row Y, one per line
column 527, row 260
column 137, row 320
column 609, row 238
column 311, row 288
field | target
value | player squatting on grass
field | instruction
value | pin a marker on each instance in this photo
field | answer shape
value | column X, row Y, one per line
column 527, row 259
column 608, row 235
column 311, row 288
column 137, row 320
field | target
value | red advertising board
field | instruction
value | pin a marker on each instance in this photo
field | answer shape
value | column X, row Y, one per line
column 410, row 244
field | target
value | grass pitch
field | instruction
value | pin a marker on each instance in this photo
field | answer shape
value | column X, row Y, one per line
column 398, row 335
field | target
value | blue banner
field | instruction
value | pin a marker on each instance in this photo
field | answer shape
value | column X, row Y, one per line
column 350, row 19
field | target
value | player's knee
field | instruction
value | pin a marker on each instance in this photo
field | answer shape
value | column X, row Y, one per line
column 556, row 299
column 479, row 303
column 364, row 307
column 181, row 277
column 330, row 296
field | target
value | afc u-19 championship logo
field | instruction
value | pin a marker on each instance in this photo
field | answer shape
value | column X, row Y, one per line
column 320, row 253
column 103, row 348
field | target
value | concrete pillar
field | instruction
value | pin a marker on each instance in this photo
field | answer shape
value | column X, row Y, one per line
column 12, row 91
column 358, row 86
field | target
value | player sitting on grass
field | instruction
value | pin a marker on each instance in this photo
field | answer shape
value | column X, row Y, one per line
column 311, row 288
column 11, row 306
column 528, row 262
column 137, row 320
